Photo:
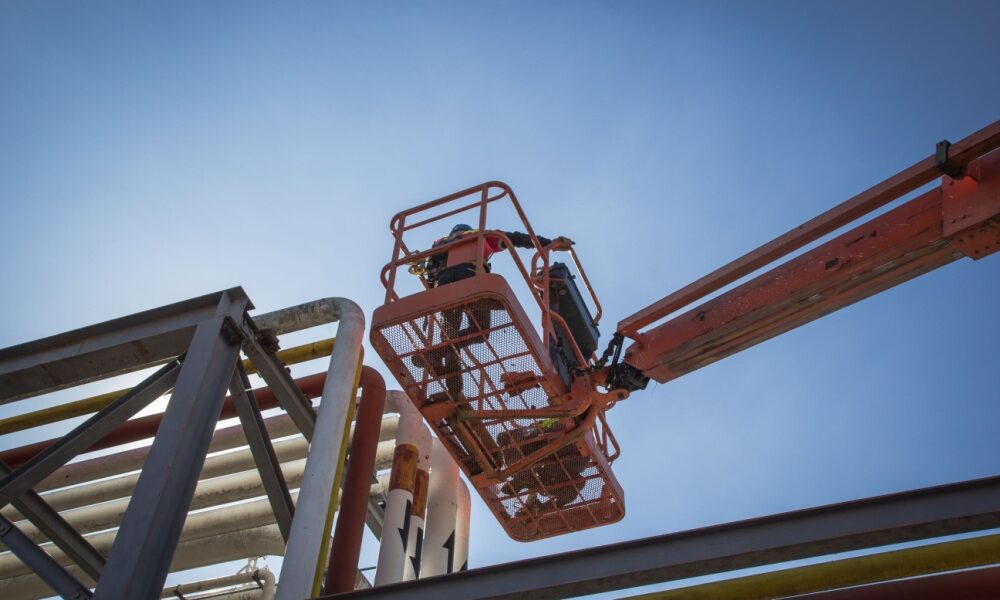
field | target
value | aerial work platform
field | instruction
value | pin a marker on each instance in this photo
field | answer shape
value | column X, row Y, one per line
column 517, row 410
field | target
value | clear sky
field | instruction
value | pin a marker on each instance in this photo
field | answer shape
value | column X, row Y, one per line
column 155, row 152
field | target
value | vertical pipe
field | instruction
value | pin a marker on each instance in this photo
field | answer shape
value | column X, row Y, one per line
column 415, row 538
column 462, row 528
column 310, row 532
column 341, row 571
column 411, row 436
column 442, row 509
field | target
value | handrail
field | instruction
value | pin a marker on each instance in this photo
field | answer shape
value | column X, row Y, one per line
column 402, row 255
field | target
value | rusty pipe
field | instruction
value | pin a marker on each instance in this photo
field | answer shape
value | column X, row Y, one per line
column 343, row 566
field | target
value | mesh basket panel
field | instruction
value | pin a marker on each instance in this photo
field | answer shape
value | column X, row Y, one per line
column 473, row 358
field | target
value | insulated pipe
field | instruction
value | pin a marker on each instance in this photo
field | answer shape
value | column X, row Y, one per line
column 462, row 528
column 309, row 537
column 224, row 439
column 442, row 509
column 209, row 523
column 411, row 436
column 268, row 580
column 236, row 545
column 244, row 593
column 215, row 466
column 145, row 427
column 210, row 492
column 86, row 406
column 415, row 537
column 341, row 572
column 245, row 577
column 132, row 460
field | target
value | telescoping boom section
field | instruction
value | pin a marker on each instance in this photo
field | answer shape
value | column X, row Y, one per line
column 518, row 411
column 958, row 218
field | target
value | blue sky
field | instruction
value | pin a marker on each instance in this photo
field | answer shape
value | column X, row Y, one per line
column 151, row 153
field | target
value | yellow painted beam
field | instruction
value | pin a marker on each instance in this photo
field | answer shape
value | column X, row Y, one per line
column 860, row 570
column 93, row 404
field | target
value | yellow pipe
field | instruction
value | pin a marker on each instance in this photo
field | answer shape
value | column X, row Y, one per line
column 324, row 551
column 860, row 570
column 93, row 404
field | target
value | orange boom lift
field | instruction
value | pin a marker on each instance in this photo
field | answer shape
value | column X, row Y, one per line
column 523, row 413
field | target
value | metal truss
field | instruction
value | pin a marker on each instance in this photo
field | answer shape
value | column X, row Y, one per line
column 198, row 342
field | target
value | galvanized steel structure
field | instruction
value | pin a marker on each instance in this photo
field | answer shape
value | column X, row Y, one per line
column 197, row 342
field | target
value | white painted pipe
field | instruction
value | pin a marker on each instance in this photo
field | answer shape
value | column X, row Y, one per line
column 310, row 532
column 210, row 492
column 217, row 465
column 415, row 537
column 132, row 460
column 242, row 578
column 190, row 554
column 122, row 486
column 227, row 438
column 462, row 527
column 411, row 437
column 199, row 525
column 267, row 578
column 244, row 593
column 442, row 510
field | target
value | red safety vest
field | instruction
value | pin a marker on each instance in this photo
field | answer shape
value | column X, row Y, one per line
column 491, row 246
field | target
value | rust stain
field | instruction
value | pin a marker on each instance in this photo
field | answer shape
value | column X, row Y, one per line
column 404, row 468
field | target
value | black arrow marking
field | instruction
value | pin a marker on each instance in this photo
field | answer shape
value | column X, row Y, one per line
column 449, row 544
column 404, row 533
column 415, row 559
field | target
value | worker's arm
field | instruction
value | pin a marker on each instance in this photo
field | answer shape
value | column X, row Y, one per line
column 523, row 240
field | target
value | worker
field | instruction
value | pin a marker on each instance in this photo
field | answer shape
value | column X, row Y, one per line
column 438, row 273
column 446, row 361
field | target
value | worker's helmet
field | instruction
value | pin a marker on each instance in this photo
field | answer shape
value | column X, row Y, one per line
column 460, row 228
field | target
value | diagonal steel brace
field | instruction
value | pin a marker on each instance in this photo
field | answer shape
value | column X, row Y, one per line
column 289, row 396
column 62, row 534
column 88, row 433
column 51, row 572
column 262, row 450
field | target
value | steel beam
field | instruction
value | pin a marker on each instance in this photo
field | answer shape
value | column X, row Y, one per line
column 140, row 556
column 88, row 433
column 103, row 350
column 881, row 520
column 41, row 563
column 62, row 534
column 278, row 379
column 262, row 450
